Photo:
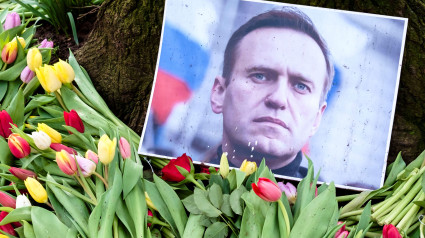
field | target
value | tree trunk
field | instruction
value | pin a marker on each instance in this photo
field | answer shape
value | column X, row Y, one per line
column 122, row 49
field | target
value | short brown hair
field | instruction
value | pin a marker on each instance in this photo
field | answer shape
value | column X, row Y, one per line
column 288, row 17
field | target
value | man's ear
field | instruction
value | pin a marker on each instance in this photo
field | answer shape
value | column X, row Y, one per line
column 217, row 94
column 318, row 118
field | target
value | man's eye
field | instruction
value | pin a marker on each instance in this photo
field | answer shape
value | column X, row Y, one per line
column 302, row 88
column 258, row 76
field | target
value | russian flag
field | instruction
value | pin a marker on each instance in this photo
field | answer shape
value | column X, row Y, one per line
column 182, row 67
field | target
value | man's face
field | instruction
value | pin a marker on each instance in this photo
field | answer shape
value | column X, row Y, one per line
column 272, row 101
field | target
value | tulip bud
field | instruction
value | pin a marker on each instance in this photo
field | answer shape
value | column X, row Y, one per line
column 6, row 200
column 149, row 202
column 248, row 167
column 8, row 228
column 390, row 231
column 22, row 174
column 12, row 20
column 72, row 119
column 66, row 162
column 34, row 58
column 5, row 121
column 52, row 133
column 22, row 201
column 290, row 191
column 92, row 156
column 27, row 75
column 124, row 148
column 224, row 165
column 267, row 190
column 41, row 140
column 18, row 146
column 36, row 190
column 149, row 215
column 46, row 44
column 58, row 147
column 64, row 71
column 47, row 77
column 9, row 52
column 106, row 149
column 87, row 166
column 343, row 234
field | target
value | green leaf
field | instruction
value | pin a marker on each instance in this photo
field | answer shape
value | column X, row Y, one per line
column 225, row 207
column 110, row 205
column 190, row 205
column 159, row 203
column 204, row 204
column 173, row 203
column 12, row 89
column 236, row 202
column 38, row 101
column 16, row 108
column 364, row 219
column 19, row 214
column 13, row 72
column 28, row 230
column 124, row 216
column 318, row 214
column 215, row 195
column 363, row 197
column 254, row 215
column 217, row 230
column 74, row 29
column 271, row 224
column 3, row 89
column 137, row 202
column 94, row 219
column 396, row 167
column 193, row 226
column 46, row 224
column 240, row 177
column 60, row 211
column 6, row 156
column 305, row 191
column 131, row 175
column 75, row 206
column 417, row 163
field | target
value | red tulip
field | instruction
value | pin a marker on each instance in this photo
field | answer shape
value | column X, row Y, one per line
column 206, row 169
column 72, row 119
column 5, row 127
column 341, row 233
column 6, row 200
column 58, row 147
column 66, row 162
column 267, row 190
column 22, row 174
column 151, row 215
column 390, row 231
column 171, row 173
column 8, row 228
column 18, row 146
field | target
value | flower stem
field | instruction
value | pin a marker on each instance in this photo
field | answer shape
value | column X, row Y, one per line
column 101, row 178
column 285, row 216
column 115, row 226
column 87, row 190
column 4, row 67
column 59, row 98
column 352, row 213
column 404, row 224
column 192, row 179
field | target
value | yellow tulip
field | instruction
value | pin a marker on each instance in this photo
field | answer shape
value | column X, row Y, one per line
column 149, row 202
column 3, row 236
column 52, row 133
column 36, row 190
column 224, row 165
column 248, row 167
column 106, row 149
column 21, row 41
column 64, row 71
column 47, row 77
column 34, row 59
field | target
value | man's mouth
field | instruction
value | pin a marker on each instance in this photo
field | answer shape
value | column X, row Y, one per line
column 272, row 120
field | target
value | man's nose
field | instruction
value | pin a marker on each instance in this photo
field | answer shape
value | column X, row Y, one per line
column 278, row 95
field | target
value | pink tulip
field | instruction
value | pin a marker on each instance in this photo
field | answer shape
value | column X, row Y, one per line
column 6, row 200
column 58, row 147
column 18, row 146
column 27, row 75
column 92, row 156
column 46, row 44
column 340, row 231
column 267, row 190
column 124, row 148
column 8, row 228
column 290, row 191
column 66, row 162
column 87, row 166
column 344, row 234
column 12, row 20
column 151, row 215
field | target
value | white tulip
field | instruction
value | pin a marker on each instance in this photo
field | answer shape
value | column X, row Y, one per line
column 22, row 201
column 41, row 139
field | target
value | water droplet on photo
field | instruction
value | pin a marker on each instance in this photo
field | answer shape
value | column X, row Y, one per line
column 234, row 151
column 225, row 144
column 236, row 128
column 256, row 142
column 252, row 148
column 249, row 143
column 251, row 156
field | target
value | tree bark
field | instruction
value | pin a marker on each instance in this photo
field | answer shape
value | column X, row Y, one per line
column 122, row 49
